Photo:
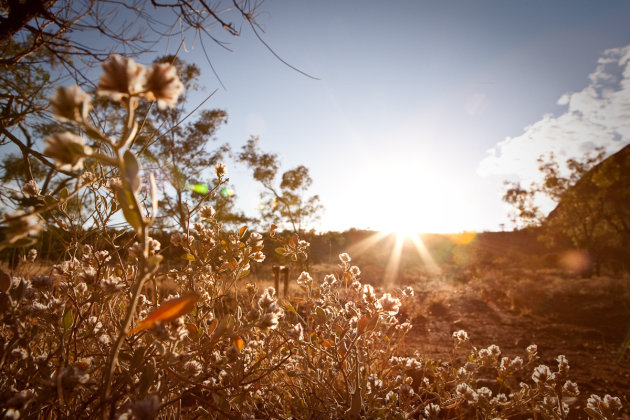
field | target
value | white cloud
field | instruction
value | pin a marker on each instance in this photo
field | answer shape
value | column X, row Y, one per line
column 598, row 115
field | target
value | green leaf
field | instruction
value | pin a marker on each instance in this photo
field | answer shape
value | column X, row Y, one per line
column 68, row 319
column 243, row 274
column 280, row 251
column 125, row 199
column 131, row 170
column 189, row 257
column 242, row 232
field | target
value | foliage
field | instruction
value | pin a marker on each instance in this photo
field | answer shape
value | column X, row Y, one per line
column 113, row 333
column 287, row 200
column 591, row 200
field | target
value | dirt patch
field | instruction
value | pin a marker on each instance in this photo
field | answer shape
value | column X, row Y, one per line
column 588, row 328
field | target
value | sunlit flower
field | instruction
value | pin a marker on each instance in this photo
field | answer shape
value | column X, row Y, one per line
column 122, row 78
column 563, row 365
column 460, row 336
column 304, row 279
column 368, row 293
column 220, row 169
column 355, row 271
column 296, row 332
column 207, row 212
column 258, row 257
column 31, row 189
column 432, row 411
column 466, row 392
column 67, row 150
column 345, row 258
column 542, row 374
column 19, row 353
column 32, row 255
column 389, row 304
column 164, row 85
column 571, row 388
column 193, row 368
column 71, row 104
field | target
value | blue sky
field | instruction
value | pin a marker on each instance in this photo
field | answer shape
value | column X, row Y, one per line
column 412, row 95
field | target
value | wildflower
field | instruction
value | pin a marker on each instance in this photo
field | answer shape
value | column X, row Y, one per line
column 11, row 414
column 368, row 293
column 408, row 292
column 255, row 239
column 207, row 212
column 21, row 225
column 532, row 351
column 269, row 320
column 192, row 368
column 355, row 271
column 164, row 85
column 296, row 332
column 87, row 178
column 31, row 188
column 81, row 288
column 32, row 255
column 484, row 392
column 304, row 279
column 563, row 365
column 460, row 336
column 356, row 286
column 181, row 239
column 500, row 399
column 571, row 388
column 494, row 350
column 465, row 391
column 345, row 258
column 220, row 169
column 389, row 304
column 330, row 279
column 121, row 78
column 67, row 149
column 516, row 363
column 104, row 339
column 432, row 411
column 19, row 353
column 542, row 374
column 153, row 245
column 71, row 104
column 259, row 257
column 112, row 284
column 613, row 402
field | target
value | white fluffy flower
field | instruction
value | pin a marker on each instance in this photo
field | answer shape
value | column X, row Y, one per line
column 122, row 78
column 164, row 85
column 71, row 103
column 67, row 150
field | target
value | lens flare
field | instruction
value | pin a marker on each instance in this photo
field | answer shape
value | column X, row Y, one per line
column 198, row 188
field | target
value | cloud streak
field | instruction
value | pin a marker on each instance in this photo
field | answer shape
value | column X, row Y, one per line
column 596, row 116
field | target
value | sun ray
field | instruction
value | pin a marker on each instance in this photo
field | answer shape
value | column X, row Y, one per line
column 425, row 255
column 391, row 271
column 367, row 243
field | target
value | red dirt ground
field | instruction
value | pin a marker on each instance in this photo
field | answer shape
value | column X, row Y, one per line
column 587, row 328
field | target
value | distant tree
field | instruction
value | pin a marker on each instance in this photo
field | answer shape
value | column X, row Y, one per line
column 591, row 203
column 284, row 199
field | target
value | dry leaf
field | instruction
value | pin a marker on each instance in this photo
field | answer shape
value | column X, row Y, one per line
column 167, row 311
